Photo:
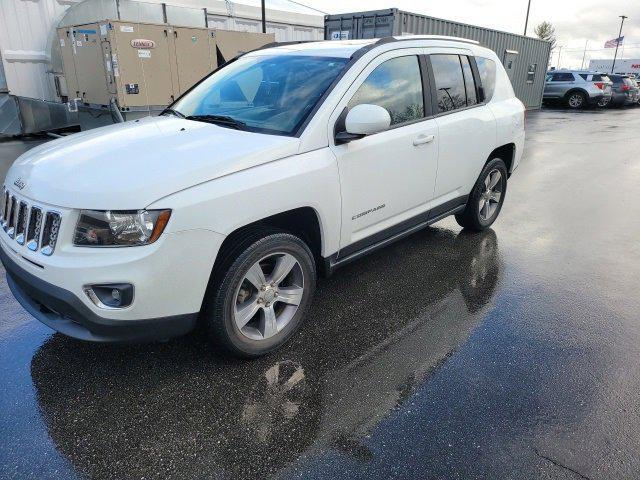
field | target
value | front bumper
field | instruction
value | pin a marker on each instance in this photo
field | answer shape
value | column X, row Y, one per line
column 64, row 312
column 170, row 278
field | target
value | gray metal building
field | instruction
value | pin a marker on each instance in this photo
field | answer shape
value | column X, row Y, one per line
column 525, row 58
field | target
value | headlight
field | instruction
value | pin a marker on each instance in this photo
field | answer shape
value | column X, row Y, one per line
column 97, row 228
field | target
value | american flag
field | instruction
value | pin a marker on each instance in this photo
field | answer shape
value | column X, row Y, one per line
column 614, row 43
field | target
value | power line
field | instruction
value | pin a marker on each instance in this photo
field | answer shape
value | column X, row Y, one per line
column 307, row 6
column 631, row 45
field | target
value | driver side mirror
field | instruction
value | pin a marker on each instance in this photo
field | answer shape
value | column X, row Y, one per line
column 361, row 120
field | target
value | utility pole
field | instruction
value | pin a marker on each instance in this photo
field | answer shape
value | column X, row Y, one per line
column 264, row 17
column 584, row 54
column 526, row 21
column 613, row 65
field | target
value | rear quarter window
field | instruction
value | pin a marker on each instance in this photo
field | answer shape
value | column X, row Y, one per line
column 487, row 70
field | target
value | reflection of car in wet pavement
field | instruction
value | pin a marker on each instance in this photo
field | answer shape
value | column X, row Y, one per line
column 176, row 409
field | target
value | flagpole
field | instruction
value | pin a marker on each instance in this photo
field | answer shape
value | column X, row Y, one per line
column 584, row 54
column 613, row 65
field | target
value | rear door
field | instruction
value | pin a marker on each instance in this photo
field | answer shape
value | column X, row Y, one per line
column 467, row 127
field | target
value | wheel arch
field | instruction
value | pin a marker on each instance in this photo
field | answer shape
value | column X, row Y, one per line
column 505, row 152
column 303, row 222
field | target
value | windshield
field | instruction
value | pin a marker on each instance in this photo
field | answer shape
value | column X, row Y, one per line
column 271, row 94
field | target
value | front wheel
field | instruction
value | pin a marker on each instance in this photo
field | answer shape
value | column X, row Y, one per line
column 262, row 295
column 486, row 199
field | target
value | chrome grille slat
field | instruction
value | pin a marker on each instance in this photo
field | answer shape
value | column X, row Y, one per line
column 30, row 225
column 21, row 222
column 11, row 223
column 34, row 229
column 5, row 205
column 50, row 233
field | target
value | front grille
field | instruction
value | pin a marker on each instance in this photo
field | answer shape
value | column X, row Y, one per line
column 30, row 224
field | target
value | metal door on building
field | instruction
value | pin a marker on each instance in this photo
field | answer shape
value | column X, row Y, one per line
column 509, row 61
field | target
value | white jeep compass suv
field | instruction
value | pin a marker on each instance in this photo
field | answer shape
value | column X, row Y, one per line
column 286, row 162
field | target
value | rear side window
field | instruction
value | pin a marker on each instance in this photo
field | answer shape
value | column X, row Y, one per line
column 395, row 85
column 469, row 82
column 450, row 86
column 487, row 70
column 562, row 77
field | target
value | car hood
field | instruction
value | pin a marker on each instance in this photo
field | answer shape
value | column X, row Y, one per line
column 130, row 165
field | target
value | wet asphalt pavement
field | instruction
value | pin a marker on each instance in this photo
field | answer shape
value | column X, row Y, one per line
column 509, row 354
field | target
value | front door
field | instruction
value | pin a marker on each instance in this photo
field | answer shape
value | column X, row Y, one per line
column 387, row 179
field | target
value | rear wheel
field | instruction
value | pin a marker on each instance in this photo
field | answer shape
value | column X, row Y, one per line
column 263, row 294
column 486, row 198
column 576, row 100
column 604, row 101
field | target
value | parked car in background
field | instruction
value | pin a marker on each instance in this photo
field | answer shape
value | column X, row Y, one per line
column 636, row 82
column 286, row 162
column 625, row 91
column 577, row 89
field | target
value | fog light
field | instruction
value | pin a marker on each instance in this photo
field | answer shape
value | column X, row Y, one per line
column 115, row 295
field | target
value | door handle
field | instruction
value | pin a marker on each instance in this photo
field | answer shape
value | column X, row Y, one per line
column 422, row 139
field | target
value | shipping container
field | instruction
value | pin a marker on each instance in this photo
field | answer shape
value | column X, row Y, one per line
column 524, row 58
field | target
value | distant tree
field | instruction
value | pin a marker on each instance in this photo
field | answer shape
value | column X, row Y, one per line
column 546, row 31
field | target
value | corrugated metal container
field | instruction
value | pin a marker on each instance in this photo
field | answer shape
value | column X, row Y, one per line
column 525, row 58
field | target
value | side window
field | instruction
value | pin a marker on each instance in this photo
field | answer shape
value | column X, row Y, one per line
column 395, row 85
column 562, row 77
column 487, row 70
column 449, row 82
column 469, row 82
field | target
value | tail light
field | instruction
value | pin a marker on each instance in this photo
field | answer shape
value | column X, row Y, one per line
column 625, row 88
column 600, row 85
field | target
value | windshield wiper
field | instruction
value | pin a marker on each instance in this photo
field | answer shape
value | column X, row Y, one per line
column 223, row 120
column 172, row 112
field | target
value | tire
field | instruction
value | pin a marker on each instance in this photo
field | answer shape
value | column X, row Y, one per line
column 603, row 102
column 576, row 100
column 276, row 317
column 474, row 216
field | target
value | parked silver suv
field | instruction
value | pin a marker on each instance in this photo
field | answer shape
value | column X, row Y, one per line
column 577, row 89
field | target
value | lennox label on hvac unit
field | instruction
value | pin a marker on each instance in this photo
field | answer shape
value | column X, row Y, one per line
column 142, row 43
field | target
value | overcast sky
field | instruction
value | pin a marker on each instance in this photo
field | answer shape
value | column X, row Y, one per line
column 576, row 21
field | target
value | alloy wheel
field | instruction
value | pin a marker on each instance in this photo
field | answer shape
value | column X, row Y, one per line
column 575, row 100
column 490, row 197
column 268, row 296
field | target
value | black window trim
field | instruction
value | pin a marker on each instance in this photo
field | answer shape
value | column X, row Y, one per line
column 434, row 92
